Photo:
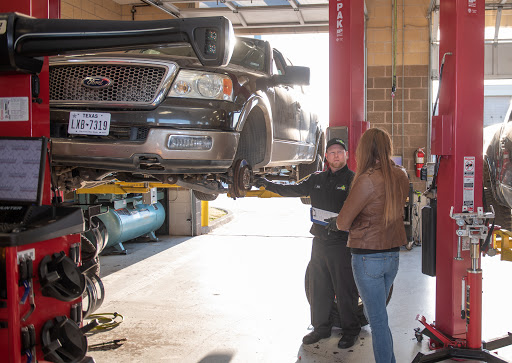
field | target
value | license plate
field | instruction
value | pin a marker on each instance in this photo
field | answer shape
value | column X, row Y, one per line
column 89, row 123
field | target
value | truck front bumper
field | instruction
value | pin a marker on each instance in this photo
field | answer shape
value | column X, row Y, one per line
column 151, row 156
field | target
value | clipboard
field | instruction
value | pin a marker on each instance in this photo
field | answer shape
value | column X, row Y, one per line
column 318, row 216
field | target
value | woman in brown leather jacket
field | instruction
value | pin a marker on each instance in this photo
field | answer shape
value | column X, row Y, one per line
column 373, row 214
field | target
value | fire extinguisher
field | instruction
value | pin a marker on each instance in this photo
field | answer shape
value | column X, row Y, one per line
column 419, row 157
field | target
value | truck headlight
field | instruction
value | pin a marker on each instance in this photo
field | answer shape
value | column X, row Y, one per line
column 194, row 84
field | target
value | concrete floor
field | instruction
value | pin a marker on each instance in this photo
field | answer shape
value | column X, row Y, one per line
column 237, row 295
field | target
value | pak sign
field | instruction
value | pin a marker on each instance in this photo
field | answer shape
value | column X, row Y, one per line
column 339, row 21
column 468, row 197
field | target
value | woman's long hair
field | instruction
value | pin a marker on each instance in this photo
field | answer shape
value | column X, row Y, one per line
column 375, row 148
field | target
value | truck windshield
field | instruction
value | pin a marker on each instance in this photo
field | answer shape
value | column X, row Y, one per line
column 248, row 53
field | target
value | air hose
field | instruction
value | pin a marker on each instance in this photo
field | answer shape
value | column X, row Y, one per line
column 107, row 321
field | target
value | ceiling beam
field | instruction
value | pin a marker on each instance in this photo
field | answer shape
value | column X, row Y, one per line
column 296, row 8
column 289, row 30
column 281, row 25
column 434, row 5
column 497, row 24
column 158, row 4
column 247, row 9
column 235, row 10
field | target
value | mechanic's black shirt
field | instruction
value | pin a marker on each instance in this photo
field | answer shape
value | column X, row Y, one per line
column 327, row 191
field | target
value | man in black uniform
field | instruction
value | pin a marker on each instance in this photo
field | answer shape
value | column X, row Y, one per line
column 330, row 269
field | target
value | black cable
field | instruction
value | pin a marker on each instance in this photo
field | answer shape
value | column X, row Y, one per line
column 440, row 78
column 107, row 321
column 438, row 159
column 485, row 246
column 416, row 224
column 95, row 294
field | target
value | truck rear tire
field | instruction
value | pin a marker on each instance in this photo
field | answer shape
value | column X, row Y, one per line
column 503, row 216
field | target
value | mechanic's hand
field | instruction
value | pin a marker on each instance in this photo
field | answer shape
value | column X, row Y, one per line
column 331, row 226
column 261, row 182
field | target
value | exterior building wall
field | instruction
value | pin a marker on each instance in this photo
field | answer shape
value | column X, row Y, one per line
column 404, row 116
column 90, row 9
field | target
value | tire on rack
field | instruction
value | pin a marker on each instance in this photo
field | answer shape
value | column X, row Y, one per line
column 204, row 196
column 307, row 169
column 334, row 316
column 503, row 216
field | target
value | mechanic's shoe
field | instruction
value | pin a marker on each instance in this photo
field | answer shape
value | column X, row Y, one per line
column 347, row 341
column 314, row 337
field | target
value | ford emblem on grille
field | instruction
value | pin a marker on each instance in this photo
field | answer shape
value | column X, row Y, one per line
column 96, row 82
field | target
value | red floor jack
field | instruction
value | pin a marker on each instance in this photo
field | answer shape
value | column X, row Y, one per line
column 471, row 227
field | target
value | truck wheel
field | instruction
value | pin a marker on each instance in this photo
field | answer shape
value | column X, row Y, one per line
column 205, row 196
column 253, row 139
column 503, row 216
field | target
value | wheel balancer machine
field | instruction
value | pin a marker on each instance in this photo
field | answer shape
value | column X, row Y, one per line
column 41, row 272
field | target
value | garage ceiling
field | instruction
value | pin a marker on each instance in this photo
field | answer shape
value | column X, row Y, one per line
column 271, row 16
column 252, row 16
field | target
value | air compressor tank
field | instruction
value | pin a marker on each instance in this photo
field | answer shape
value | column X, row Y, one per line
column 131, row 221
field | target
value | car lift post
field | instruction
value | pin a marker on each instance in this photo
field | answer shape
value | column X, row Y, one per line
column 35, row 87
column 347, row 71
column 34, row 122
column 457, row 141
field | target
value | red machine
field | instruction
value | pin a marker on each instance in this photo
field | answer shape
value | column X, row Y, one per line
column 41, row 275
column 41, row 284
column 456, row 140
column 346, row 88
column 457, row 188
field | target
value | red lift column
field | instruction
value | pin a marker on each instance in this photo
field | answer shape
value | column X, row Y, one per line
column 347, row 70
column 17, row 317
column 458, row 139
column 20, row 85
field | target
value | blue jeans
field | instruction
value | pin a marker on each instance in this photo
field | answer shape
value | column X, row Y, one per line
column 374, row 274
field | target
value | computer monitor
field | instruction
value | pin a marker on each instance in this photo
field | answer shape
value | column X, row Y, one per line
column 22, row 166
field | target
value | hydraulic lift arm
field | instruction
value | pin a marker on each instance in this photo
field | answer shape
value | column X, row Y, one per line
column 23, row 39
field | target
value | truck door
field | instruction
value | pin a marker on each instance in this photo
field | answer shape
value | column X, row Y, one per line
column 285, row 113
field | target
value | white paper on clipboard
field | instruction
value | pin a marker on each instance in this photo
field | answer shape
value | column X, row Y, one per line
column 318, row 216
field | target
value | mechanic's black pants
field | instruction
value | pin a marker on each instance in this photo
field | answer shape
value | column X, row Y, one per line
column 330, row 274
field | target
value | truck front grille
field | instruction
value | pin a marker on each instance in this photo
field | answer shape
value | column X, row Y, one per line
column 129, row 83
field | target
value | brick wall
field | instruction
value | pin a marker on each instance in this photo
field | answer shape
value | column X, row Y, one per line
column 90, row 9
column 144, row 13
column 412, row 89
column 407, row 127
column 108, row 10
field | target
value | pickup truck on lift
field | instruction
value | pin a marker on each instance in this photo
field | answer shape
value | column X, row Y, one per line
column 158, row 114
